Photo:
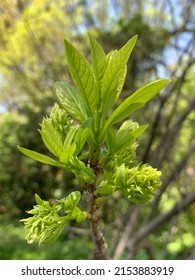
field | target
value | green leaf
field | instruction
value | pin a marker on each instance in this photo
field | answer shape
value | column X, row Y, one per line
column 50, row 144
column 134, row 102
column 80, row 139
column 120, row 176
column 70, row 135
column 67, row 153
column 110, row 138
column 126, row 137
column 75, row 213
column 39, row 201
column 71, row 101
column 105, row 188
column 120, row 83
column 99, row 59
column 87, row 175
column 115, row 75
column 71, row 201
column 51, row 137
column 139, row 131
column 39, row 157
column 83, row 77
column 83, row 173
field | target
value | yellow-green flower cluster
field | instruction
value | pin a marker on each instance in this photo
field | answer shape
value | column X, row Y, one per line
column 45, row 226
column 141, row 183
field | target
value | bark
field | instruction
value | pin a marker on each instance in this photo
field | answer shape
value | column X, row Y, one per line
column 101, row 251
column 174, row 174
column 128, row 232
column 151, row 226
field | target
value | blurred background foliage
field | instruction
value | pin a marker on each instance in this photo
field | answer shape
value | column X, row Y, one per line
column 32, row 59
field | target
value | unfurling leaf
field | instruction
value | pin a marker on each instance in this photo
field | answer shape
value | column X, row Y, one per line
column 70, row 202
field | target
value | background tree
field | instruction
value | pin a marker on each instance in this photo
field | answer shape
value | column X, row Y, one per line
column 32, row 58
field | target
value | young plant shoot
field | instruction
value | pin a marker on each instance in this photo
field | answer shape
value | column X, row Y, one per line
column 82, row 138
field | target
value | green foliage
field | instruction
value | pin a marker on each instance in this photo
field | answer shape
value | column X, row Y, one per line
column 86, row 124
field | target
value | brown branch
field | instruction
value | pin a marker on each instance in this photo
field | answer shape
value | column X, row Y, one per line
column 174, row 174
column 151, row 226
column 128, row 231
column 101, row 252
column 79, row 231
column 149, row 250
column 164, row 99
column 172, row 135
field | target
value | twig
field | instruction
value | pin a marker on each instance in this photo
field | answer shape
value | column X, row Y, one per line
column 101, row 252
column 151, row 226
column 128, row 231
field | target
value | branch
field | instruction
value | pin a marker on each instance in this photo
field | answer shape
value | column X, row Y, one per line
column 79, row 231
column 174, row 174
column 128, row 231
column 151, row 226
column 172, row 135
column 159, row 115
column 101, row 252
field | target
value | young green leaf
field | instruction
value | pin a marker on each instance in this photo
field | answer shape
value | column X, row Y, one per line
column 105, row 188
column 83, row 77
column 67, row 153
column 40, row 158
column 120, row 176
column 139, row 131
column 115, row 74
column 39, row 201
column 50, row 144
column 71, row 101
column 99, row 59
column 134, row 102
column 110, row 138
column 126, row 137
column 80, row 139
column 121, row 82
column 71, row 201
column 70, row 135
column 96, row 50
column 51, row 137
